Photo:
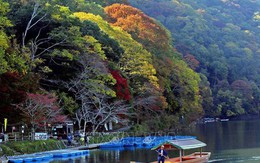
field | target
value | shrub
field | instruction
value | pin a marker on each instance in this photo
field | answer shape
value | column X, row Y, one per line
column 24, row 147
column 6, row 150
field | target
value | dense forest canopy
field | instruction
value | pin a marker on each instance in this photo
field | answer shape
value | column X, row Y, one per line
column 98, row 62
column 223, row 36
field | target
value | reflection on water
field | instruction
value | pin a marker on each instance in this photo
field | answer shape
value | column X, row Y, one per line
column 249, row 155
column 229, row 142
column 116, row 155
column 121, row 156
column 80, row 159
column 229, row 135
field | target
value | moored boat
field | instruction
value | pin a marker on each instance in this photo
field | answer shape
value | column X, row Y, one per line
column 185, row 144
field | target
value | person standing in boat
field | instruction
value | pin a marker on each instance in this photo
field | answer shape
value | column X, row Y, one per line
column 162, row 154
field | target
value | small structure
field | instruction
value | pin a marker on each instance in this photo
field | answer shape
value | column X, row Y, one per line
column 185, row 144
column 62, row 130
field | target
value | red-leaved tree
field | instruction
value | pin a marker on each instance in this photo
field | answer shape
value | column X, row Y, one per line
column 40, row 109
column 122, row 90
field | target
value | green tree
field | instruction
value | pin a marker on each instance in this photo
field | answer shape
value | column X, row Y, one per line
column 219, row 71
column 207, row 97
column 217, row 34
column 230, row 103
column 185, row 88
column 4, row 40
column 110, row 46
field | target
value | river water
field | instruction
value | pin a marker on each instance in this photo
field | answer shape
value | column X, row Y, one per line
column 229, row 142
column 233, row 141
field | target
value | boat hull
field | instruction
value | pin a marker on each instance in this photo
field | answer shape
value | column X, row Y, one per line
column 196, row 157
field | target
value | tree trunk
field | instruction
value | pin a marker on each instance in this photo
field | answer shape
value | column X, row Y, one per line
column 45, row 127
column 84, row 129
column 79, row 124
column 93, row 130
column 33, row 132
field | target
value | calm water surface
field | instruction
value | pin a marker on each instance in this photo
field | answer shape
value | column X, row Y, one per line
column 229, row 142
column 233, row 141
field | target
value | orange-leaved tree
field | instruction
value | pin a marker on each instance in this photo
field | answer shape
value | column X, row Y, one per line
column 143, row 28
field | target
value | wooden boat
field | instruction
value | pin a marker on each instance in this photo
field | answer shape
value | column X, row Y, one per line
column 185, row 144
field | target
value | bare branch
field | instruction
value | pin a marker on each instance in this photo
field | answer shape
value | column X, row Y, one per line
column 39, row 32
column 40, row 108
column 56, row 44
column 35, row 13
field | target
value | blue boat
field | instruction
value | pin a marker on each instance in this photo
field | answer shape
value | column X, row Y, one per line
column 15, row 160
column 47, row 156
column 112, row 144
column 37, row 158
column 128, row 141
column 138, row 141
column 44, row 156
column 141, row 142
column 149, row 141
column 28, row 159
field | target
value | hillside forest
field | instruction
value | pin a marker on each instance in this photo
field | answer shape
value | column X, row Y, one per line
column 152, row 65
column 219, row 39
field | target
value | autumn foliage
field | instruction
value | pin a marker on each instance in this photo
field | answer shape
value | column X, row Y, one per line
column 191, row 61
column 140, row 26
column 41, row 109
column 105, row 64
column 122, row 90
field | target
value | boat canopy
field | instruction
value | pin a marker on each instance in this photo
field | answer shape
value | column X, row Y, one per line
column 181, row 144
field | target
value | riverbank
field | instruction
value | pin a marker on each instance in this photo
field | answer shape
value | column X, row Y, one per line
column 11, row 148
column 21, row 148
column 245, row 117
column 77, row 147
column 27, row 147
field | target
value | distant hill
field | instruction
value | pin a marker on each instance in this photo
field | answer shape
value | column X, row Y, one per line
column 224, row 36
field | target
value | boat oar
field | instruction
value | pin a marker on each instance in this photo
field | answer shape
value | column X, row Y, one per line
column 167, row 157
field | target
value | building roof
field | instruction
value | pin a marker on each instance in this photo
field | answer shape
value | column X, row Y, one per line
column 184, row 144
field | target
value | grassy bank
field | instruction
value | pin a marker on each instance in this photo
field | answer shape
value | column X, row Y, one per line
column 26, row 147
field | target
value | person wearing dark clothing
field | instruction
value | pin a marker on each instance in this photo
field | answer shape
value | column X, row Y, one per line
column 69, row 138
column 162, row 154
